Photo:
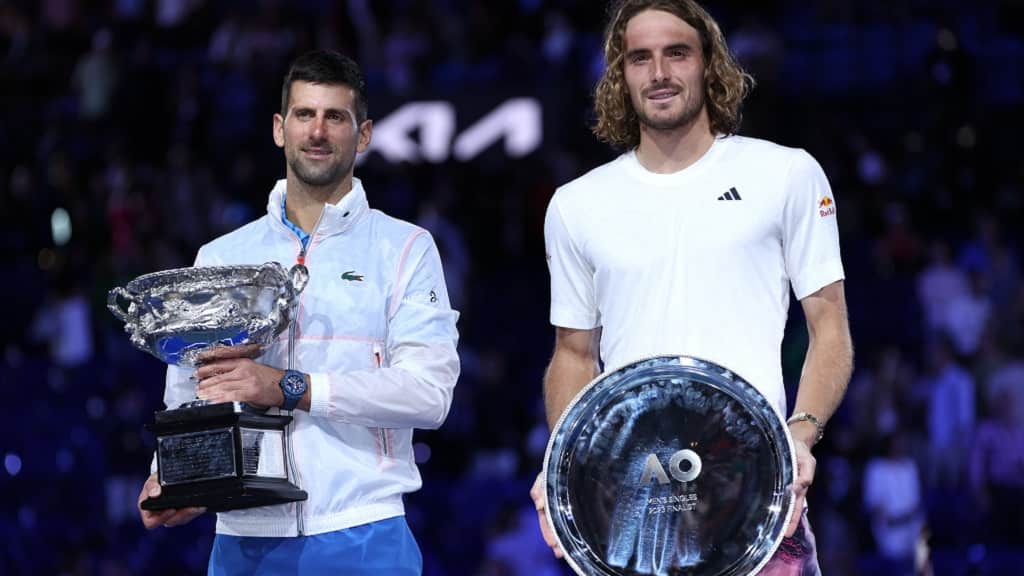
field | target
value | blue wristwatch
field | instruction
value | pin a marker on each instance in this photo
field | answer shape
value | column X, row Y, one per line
column 293, row 386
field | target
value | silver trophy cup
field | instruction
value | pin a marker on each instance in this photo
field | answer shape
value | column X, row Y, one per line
column 221, row 456
column 669, row 465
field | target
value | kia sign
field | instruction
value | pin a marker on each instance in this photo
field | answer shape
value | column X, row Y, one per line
column 428, row 131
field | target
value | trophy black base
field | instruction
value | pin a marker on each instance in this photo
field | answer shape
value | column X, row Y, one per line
column 221, row 457
column 224, row 495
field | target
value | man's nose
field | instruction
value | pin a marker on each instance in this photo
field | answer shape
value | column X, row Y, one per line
column 658, row 69
column 319, row 126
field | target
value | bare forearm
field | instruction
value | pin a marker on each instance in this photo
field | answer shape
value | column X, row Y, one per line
column 566, row 376
column 826, row 373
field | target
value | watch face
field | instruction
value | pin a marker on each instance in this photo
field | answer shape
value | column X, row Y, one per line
column 294, row 384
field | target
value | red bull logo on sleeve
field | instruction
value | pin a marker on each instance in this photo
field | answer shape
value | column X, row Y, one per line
column 826, row 207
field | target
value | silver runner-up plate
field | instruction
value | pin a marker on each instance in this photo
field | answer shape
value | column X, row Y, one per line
column 670, row 465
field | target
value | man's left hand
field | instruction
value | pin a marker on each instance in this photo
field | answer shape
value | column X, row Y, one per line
column 227, row 378
column 805, row 464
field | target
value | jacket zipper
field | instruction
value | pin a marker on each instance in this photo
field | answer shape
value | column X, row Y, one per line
column 293, row 468
column 382, row 433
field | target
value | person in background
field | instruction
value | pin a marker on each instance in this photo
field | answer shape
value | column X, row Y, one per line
column 996, row 473
column 892, row 496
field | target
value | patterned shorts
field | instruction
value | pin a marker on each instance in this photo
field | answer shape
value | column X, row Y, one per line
column 796, row 556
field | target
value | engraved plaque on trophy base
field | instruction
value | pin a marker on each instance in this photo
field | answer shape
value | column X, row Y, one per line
column 221, row 457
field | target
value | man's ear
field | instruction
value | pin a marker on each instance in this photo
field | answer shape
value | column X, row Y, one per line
column 279, row 130
column 365, row 135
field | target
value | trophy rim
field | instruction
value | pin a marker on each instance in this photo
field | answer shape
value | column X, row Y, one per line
column 777, row 418
column 157, row 280
column 268, row 284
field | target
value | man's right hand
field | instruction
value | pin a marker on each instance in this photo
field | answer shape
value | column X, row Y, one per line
column 170, row 517
column 537, row 493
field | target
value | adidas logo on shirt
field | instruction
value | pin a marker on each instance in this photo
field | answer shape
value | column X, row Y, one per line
column 732, row 194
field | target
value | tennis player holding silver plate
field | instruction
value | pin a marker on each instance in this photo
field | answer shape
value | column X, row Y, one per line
column 691, row 242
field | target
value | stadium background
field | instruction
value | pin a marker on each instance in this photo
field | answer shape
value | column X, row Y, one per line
column 132, row 131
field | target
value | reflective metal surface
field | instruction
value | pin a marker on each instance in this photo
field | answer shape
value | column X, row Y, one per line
column 222, row 456
column 176, row 314
column 263, row 453
column 670, row 465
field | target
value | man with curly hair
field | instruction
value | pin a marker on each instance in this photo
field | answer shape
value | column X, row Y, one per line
column 690, row 241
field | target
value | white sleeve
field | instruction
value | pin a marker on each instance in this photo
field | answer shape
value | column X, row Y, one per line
column 414, row 387
column 810, row 235
column 573, row 298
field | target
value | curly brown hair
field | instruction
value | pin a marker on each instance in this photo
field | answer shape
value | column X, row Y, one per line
column 725, row 85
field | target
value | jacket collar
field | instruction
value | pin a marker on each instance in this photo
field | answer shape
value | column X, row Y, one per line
column 335, row 219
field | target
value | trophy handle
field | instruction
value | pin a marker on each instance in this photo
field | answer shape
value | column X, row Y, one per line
column 114, row 305
column 299, row 277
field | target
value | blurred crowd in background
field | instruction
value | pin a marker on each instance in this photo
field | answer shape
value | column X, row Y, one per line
column 133, row 131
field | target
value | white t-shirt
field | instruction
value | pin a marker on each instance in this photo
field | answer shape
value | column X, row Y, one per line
column 699, row 262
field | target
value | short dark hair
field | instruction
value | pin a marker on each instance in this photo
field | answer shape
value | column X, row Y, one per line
column 326, row 67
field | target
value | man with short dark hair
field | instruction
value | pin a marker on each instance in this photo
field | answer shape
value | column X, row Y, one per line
column 375, row 350
column 689, row 242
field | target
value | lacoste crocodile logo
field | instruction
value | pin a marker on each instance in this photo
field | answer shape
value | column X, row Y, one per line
column 351, row 276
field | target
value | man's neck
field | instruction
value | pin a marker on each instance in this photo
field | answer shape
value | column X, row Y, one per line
column 669, row 151
column 305, row 203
